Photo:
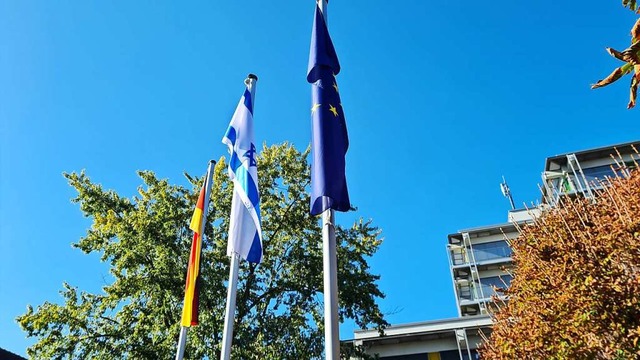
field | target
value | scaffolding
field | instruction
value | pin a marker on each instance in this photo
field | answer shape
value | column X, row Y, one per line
column 463, row 343
column 475, row 277
column 566, row 182
column 466, row 278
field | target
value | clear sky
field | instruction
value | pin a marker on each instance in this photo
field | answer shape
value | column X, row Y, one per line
column 442, row 98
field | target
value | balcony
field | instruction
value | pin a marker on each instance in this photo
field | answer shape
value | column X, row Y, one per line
column 484, row 254
column 469, row 292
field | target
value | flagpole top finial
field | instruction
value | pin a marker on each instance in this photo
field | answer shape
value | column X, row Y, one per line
column 252, row 76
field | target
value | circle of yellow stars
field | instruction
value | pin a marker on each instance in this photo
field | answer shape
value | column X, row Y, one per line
column 332, row 108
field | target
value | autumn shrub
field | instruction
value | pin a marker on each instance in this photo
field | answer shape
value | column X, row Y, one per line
column 575, row 293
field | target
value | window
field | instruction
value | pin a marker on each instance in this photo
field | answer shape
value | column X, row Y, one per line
column 598, row 172
column 423, row 356
column 455, row 355
column 489, row 283
column 491, row 250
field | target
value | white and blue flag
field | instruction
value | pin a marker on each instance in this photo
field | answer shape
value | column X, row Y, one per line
column 245, row 232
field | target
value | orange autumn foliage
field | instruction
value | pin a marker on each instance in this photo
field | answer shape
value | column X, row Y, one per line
column 575, row 293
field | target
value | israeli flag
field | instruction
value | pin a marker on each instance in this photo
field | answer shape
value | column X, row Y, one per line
column 245, row 232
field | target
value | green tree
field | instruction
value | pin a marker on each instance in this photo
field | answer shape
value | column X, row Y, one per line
column 576, row 287
column 146, row 241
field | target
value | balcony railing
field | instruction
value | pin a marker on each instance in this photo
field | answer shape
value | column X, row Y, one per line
column 486, row 252
column 470, row 291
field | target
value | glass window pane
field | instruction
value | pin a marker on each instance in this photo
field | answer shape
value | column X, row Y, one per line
column 491, row 250
column 488, row 284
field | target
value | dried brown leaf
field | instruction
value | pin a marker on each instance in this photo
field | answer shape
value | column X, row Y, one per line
column 615, row 75
column 633, row 90
column 635, row 32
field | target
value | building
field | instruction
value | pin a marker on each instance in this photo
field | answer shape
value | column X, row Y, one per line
column 8, row 355
column 448, row 339
column 480, row 260
column 578, row 173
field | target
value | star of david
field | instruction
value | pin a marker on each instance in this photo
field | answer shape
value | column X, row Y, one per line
column 250, row 154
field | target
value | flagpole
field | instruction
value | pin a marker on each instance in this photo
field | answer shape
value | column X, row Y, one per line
column 182, row 340
column 330, row 267
column 322, row 4
column 181, row 343
column 330, row 270
column 227, row 333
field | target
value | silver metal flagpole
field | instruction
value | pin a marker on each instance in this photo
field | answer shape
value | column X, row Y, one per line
column 181, row 343
column 182, row 340
column 330, row 268
column 227, row 333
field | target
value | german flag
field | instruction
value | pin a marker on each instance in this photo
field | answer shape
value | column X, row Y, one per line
column 190, row 309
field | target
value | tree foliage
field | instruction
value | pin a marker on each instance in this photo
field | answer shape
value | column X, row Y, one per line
column 631, row 58
column 631, row 5
column 576, row 287
column 145, row 240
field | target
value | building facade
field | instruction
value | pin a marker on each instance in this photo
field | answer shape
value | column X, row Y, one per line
column 480, row 262
column 579, row 173
column 480, row 259
column 448, row 339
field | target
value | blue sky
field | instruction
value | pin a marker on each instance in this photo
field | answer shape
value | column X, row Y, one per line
column 441, row 98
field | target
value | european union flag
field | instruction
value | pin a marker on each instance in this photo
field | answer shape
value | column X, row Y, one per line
column 329, row 130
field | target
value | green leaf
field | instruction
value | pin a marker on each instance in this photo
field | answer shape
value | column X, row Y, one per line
column 146, row 241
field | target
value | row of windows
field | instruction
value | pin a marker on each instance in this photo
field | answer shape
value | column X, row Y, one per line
column 491, row 250
column 488, row 287
column 489, row 284
column 442, row 355
column 485, row 251
column 593, row 174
